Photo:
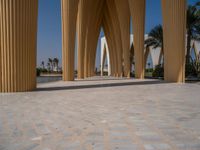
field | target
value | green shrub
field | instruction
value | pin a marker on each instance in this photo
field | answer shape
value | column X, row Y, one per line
column 44, row 70
column 190, row 70
column 159, row 71
column 38, row 71
column 149, row 70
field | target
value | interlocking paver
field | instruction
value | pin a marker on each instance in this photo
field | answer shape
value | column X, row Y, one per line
column 112, row 116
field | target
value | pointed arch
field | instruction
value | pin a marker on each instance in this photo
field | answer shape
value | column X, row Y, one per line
column 111, row 18
column 92, row 32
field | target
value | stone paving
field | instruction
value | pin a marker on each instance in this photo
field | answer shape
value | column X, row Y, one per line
column 102, row 114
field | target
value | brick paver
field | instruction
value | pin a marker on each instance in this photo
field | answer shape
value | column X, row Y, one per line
column 98, row 114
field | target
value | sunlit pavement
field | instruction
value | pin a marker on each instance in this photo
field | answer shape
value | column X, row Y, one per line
column 102, row 114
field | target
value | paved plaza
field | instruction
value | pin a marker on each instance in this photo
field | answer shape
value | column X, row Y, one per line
column 102, row 114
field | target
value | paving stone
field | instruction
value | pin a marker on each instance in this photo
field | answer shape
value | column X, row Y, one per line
column 43, row 129
column 153, row 116
column 159, row 146
column 125, row 147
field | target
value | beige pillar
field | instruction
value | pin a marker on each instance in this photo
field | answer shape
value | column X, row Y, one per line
column 137, row 8
column 69, row 17
column 95, row 8
column 18, row 25
column 82, row 25
column 112, row 28
column 124, row 20
column 109, row 35
column 0, row 61
column 174, row 27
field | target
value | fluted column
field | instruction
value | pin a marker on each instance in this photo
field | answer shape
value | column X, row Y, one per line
column 174, row 27
column 69, row 17
column 137, row 8
column 124, row 20
column 18, row 25
column 0, row 62
column 82, row 26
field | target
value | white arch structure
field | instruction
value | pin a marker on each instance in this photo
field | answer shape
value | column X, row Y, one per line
column 154, row 53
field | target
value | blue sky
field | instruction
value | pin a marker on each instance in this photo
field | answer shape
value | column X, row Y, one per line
column 49, row 27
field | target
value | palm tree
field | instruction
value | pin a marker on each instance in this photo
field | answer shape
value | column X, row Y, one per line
column 48, row 67
column 56, row 62
column 193, row 27
column 155, row 39
column 193, row 31
column 42, row 64
column 50, row 63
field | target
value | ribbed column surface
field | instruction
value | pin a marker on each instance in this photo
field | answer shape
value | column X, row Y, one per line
column 82, row 25
column 137, row 8
column 18, row 33
column 174, row 27
column 124, row 20
column 69, row 17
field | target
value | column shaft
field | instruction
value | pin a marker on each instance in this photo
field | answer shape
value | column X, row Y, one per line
column 124, row 20
column 82, row 26
column 174, row 28
column 137, row 8
column 69, row 17
column 18, row 25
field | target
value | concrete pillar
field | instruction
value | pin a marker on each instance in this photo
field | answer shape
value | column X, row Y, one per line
column 137, row 8
column 95, row 8
column 0, row 62
column 109, row 35
column 93, row 31
column 18, row 25
column 112, row 28
column 124, row 20
column 82, row 26
column 69, row 17
column 174, row 28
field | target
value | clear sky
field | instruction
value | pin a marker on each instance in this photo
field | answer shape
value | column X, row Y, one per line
column 49, row 27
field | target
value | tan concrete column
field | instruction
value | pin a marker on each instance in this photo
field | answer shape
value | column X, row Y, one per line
column 117, row 35
column 18, row 25
column 111, row 17
column 95, row 8
column 137, row 8
column 69, row 17
column 82, row 26
column 109, row 35
column 124, row 20
column 0, row 63
column 174, row 28
column 94, row 26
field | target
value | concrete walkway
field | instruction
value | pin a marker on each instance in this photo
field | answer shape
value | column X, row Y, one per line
column 102, row 114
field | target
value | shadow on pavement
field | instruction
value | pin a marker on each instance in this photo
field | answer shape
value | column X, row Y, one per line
column 103, row 85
